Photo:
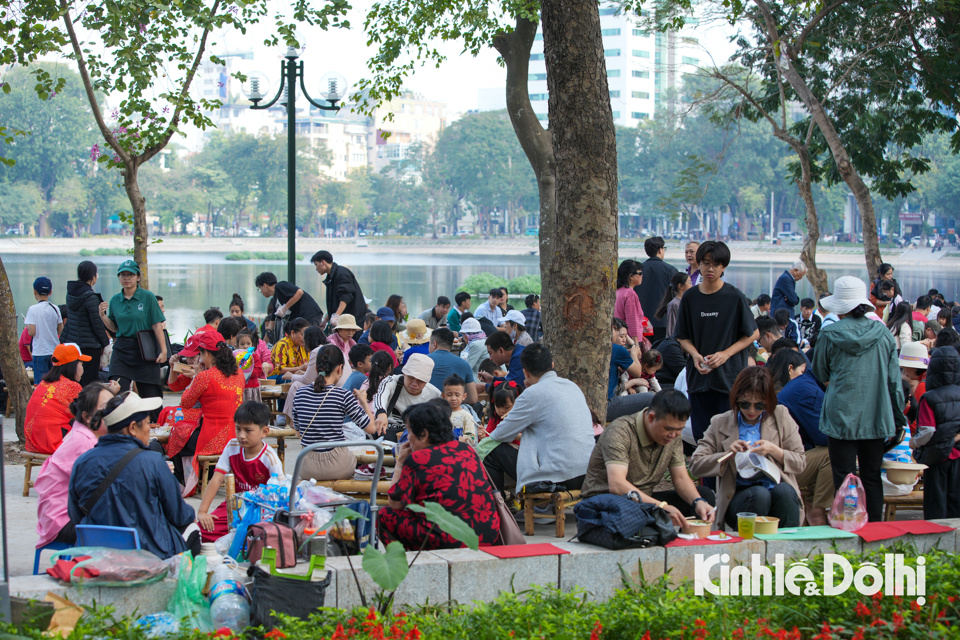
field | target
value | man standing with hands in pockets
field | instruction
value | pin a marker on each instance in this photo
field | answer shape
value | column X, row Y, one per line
column 714, row 327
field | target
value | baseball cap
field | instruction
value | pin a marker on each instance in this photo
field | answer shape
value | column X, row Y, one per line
column 386, row 313
column 470, row 325
column 208, row 340
column 130, row 266
column 513, row 316
column 66, row 353
column 43, row 286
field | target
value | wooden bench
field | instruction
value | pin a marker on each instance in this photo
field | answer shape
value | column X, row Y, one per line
column 33, row 460
column 912, row 502
column 559, row 502
column 359, row 489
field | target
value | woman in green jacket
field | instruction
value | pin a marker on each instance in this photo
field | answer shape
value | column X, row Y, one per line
column 857, row 359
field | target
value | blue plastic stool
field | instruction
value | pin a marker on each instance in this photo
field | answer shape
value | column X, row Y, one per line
column 53, row 546
column 95, row 535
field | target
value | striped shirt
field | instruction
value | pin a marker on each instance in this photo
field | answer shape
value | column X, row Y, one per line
column 318, row 417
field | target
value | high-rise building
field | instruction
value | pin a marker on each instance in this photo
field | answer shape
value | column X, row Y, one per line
column 416, row 122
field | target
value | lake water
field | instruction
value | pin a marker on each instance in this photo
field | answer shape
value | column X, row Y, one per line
column 191, row 282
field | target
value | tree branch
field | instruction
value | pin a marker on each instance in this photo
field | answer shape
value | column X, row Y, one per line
column 816, row 20
column 88, row 87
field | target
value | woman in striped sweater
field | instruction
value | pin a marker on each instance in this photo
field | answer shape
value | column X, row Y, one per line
column 318, row 414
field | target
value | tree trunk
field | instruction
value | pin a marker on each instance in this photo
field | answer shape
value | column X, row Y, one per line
column 14, row 375
column 582, row 264
column 140, row 234
column 816, row 276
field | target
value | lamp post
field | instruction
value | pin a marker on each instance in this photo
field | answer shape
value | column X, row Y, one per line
column 333, row 88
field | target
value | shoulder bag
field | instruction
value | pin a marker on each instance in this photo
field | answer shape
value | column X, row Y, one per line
column 149, row 348
column 510, row 533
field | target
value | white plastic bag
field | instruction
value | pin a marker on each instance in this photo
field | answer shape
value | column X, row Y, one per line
column 849, row 517
column 893, row 490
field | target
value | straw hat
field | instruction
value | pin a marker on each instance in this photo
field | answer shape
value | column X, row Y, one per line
column 347, row 321
column 914, row 355
column 416, row 332
column 848, row 294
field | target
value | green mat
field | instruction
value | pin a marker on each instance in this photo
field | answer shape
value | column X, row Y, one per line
column 822, row 532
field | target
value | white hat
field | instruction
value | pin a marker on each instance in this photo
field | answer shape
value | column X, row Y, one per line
column 470, row 325
column 914, row 355
column 132, row 404
column 419, row 366
column 849, row 293
column 513, row 316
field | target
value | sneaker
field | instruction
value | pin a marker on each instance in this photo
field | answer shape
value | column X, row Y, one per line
column 366, row 471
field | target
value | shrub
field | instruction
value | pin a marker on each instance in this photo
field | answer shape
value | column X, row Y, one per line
column 482, row 283
column 522, row 285
column 259, row 255
column 104, row 251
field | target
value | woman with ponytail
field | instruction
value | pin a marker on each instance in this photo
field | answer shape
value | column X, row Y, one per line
column 670, row 304
column 318, row 413
column 53, row 521
column 217, row 388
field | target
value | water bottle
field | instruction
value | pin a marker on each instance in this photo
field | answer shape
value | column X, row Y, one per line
column 850, row 503
column 228, row 604
column 177, row 415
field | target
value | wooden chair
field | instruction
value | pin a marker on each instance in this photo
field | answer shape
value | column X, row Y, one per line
column 32, row 460
column 559, row 502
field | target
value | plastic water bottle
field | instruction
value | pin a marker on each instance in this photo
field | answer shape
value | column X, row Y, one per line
column 228, row 604
column 177, row 415
column 850, row 502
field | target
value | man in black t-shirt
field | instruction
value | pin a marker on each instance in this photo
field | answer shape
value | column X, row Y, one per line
column 292, row 301
column 714, row 326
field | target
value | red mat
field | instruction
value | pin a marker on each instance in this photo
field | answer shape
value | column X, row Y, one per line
column 525, row 550
column 680, row 542
column 873, row 531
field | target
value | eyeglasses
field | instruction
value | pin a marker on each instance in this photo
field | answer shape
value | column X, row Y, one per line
column 638, row 273
column 759, row 406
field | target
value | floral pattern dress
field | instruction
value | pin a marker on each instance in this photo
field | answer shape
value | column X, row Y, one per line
column 452, row 475
column 48, row 415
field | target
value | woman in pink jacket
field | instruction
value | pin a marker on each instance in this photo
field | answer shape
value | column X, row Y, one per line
column 627, row 307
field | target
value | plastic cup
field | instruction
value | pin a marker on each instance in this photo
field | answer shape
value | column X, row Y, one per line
column 746, row 523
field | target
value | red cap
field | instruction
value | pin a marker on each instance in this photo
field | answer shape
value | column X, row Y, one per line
column 208, row 340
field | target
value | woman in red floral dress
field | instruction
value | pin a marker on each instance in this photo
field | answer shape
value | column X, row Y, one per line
column 435, row 467
column 219, row 391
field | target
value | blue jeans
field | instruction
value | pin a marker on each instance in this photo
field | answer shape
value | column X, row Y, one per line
column 41, row 364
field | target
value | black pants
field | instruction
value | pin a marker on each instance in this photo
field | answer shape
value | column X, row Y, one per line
column 91, row 370
column 780, row 502
column 659, row 333
column 502, row 462
column 68, row 534
column 673, row 499
column 844, row 456
column 941, row 490
column 188, row 450
column 144, row 390
column 703, row 406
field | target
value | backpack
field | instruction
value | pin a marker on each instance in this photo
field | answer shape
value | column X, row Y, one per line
column 616, row 522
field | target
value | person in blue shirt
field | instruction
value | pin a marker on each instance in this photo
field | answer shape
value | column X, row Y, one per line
column 502, row 351
column 784, row 294
column 360, row 356
column 628, row 360
column 446, row 364
column 145, row 495
column 803, row 397
column 491, row 308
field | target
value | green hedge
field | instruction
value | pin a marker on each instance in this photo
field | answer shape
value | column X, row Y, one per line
column 103, row 251
column 651, row 611
column 482, row 283
column 259, row 255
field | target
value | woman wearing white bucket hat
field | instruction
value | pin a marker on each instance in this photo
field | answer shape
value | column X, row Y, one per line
column 858, row 416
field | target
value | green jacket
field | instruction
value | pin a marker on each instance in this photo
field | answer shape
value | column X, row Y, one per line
column 857, row 359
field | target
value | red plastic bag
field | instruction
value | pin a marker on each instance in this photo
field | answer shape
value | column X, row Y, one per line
column 849, row 511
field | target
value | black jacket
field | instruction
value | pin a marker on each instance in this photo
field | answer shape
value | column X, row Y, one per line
column 656, row 280
column 342, row 286
column 943, row 397
column 84, row 325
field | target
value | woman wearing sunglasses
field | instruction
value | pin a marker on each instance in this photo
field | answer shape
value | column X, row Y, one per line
column 756, row 424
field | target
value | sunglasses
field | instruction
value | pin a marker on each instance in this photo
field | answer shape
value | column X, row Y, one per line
column 638, row 273
column 759, row 406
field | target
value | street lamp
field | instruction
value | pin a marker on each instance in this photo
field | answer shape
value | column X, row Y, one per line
column 333, row 87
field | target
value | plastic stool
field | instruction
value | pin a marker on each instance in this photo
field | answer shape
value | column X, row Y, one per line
column 94, row 535
column 53, row 546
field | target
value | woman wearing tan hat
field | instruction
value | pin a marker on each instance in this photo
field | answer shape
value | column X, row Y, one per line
column 342, row 336
column 415, row 339
column 48, row 413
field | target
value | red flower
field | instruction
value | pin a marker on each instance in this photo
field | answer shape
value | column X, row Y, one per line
column 646, row 635
column 858, row 635
column 275, row 633
column 825, row 633
column 414, row 634
column 897, row 621
column 222, row 632
column 862, row 610
column 951, row 599
column 372, row 614
column 915, row 605
column 597, row 628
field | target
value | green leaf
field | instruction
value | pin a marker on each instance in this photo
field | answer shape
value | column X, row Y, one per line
column 387, row 569
column 449, row 523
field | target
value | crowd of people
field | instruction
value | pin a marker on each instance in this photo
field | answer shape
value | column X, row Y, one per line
column 475, row 407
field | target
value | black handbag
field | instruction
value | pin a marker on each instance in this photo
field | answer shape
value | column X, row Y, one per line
column 289, row 596
column 149, row 348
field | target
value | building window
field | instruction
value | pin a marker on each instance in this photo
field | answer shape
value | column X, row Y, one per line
column 688, row 60
column 608, row 11
column 640, row 74
column 640, row 95
column 537, row 97
column 636, row 115
column 640, row 54
column 611, row 53
column 641, row 33
column 616, row 115
column 534, row 77
column 538, row 37
column 536, row 56
column 613, row 73
column 609, row 32
column 614, row 94
column 541, row 116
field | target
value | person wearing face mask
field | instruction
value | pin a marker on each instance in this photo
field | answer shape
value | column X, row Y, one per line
column 121, row 483
column 755, row 424
column 514, row 324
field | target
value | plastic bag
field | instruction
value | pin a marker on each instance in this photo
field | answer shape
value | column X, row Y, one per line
column 158, row 625
column 849, row 511
column 108, row 567
column 891, row 489
column 187, row 602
